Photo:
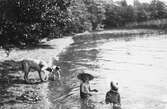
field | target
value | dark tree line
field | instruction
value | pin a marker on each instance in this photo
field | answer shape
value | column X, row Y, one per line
column 122, row 14
column 26, row 22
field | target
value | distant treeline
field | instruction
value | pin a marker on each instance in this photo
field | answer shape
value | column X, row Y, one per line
column 26, row 22
column 123, row 14
column 153, row 24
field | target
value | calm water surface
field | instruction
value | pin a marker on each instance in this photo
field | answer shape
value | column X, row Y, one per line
column 137, row 63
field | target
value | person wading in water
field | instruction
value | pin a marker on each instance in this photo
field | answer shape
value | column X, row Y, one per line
column 85, row 90
column 113, row 97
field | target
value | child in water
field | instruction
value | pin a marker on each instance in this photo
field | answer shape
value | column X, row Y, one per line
column 113, row 97
column 85, row 89
column 85, row 93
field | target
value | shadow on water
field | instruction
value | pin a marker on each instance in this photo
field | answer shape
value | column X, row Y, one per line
column 73, row 61
column 53, row 93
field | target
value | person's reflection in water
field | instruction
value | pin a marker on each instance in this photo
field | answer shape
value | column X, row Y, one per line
column 85, row 94
column 87, row 104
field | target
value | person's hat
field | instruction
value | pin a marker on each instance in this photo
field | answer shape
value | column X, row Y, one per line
column 114, row 85
column 83, row 76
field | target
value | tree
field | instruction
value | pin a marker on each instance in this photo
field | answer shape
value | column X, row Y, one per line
column 96, row 12
column 26, row 22
column 158, row 9
column 86, row 14
column 141, row 12
column 112, row 16
column 79, row 16
column 119, row 14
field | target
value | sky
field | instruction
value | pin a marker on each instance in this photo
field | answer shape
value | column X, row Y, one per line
column 148, row 1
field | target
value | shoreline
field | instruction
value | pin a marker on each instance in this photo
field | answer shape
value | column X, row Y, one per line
column 122, row 31
column 15, row 90
column 52, row 50
column 60, row 44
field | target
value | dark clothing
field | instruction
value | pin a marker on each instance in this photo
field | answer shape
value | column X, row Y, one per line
column 113, row 96
column 84, row 95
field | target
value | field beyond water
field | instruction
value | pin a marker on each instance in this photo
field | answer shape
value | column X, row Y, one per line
column 134, row 58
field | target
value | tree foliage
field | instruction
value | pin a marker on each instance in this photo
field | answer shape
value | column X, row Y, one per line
column 26, row 22
column 96, row 12
column 120, row 14
column 86, row 14
column 79, row 16
column 157, row 10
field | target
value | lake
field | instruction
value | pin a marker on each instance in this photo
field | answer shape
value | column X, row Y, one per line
column 136, row 59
